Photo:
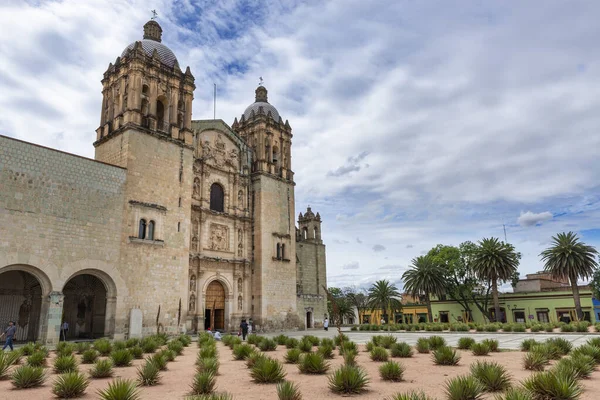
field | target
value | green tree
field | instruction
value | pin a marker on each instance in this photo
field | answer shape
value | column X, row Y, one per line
column 495, row 261
column 425, row 277
column 336, row 293
column 359, row 299
column 570, row 258
column 384, row 295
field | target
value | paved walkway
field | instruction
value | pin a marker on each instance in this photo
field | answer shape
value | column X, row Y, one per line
column 510, row 341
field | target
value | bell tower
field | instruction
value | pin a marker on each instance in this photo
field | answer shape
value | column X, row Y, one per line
column 145, row 90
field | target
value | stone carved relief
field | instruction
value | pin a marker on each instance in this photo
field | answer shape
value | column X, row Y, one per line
column 196, row 193
column 240, row 285
column 218, row 154
column 241, row 199
column 240, row 236
column 239, row 303
column 240, row 250
column 219, row 237
column 192, row 303
column 193, row 283
column 195, row 243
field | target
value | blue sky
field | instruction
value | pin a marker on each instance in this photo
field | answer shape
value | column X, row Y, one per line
column 415, row 122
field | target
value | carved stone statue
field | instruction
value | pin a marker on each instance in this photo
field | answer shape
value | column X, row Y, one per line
column 240, row 250
column 239, row 303
column 192, row 303
column 240, row 236
column 196, row 187
column 241, row 199
column 240, row 285
column 193, row 283
column 219, row 237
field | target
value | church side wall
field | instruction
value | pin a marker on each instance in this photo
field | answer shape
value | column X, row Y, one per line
column 312, row 277
column 59, row 214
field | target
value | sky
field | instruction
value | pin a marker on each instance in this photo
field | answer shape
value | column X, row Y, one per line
column 415, row 123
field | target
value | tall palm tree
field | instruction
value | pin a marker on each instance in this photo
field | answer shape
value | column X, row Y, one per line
column 424, row 277
column 570, row 258
column 384, row 296
column 495, row 261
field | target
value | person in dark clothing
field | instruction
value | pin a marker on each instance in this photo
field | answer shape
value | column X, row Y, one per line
column 10, row 334
column 244, row 329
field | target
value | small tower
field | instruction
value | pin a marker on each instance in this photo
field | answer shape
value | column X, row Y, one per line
column 309, row 227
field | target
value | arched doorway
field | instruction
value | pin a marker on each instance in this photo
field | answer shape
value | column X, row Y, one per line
column 309, row 319
column 21, row 302
column 214, row 312
column 84, row 307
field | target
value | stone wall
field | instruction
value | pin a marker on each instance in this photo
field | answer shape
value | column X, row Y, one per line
column 311, row 276
column 60, row 215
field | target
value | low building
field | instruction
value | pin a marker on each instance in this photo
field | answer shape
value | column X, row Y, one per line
column 413, row 311
column 537, row 298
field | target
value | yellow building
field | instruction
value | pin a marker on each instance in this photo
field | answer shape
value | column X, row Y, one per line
column 412, row 312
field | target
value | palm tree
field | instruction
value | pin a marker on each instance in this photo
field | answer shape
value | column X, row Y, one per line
column 384, row 296
column 345, row 309
column 570, row 258
column 424, row 277
column 495, row 261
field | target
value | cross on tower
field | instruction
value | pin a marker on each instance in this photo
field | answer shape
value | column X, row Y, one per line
column 260, row 81
column 154, row 14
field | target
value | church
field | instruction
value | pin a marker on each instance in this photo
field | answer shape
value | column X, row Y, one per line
column 175, row 225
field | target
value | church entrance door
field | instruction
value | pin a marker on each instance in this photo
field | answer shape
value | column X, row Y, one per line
column 21, row 302
column 214, row 314
column 84, row 307
column 308, row 320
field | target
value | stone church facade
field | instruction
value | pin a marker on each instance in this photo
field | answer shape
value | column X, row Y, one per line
column 176, row 225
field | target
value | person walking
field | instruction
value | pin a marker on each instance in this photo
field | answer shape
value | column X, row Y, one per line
column 64, row 330
column 326, row 324
column 10, row 334
column 244, row 329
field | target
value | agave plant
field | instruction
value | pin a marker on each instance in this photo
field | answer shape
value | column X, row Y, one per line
column 290, row 343
column 535, row 361
column 423, row 345
column 435, row 342
column 379, row 354
column 27, row 376
column 516, row 393
column 445, row 356
column 102, row 369
column 464, row 388
column 148, row 374
column 103, row 346
column 267, row 345
column 175, row 346
column 36, row 359
column 64, row 364
column 465, row 343
column 350, row 357
column 292, row 356
column 288, row 391
column 159, row 360
column 70, row 385
column 208, row 364
column 391, row 371
column 89, row 356
column 410, row 396
column 121, row 358
column 242, row 351
column 313, row 363
column 120, row 389
column 553, row 385
column 480, row 349
column 348, row 379
column 204, row 383
column 491, row 375
column 527, row 344
column 267, row 370
column 563, row 345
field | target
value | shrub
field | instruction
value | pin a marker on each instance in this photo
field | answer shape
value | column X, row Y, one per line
column 387, row 341
column 13, row 357
column 379, row 354
column 537, row 328
column 226, row 339
column 89, row 356
column 37, row 359
column 464, row 388
column 64, row 364
column 290, row 343
column 551, row 385
column 148, row 374
column 491, row 328
column 516, row 393
column 185, row 340
column 550, row 351
column 325, row 351
column 268, row 345
column 121, row 358
column 254, row 339
column 535, row 361
column 149, row 345
column 292, row 356
column 507, row 328
column 208, row 352
column 65, row 348
column 206, row 338
column 480, row 349
column 580, row 366
column 391, row 371
column 402, row 350
column 549, row 328
column 175, row 346
column 70, row 385
column 527, row 344
column 28, row 349
column 160, row 338
column 410, row 396
column 348, row 346
column 311, row 338
column 254, row 358
column 341, row 338
column 137, row 352
column 582, row 326
column 519, row 328
column 6, row 360
column 119, row 345
column 103, row 346
column 281, row 339
column 211, row 396
column 567, row 328
column 132, row 342
column 435, row 342
column 267, row 370
column 594, row 342
column 493, row 344
column 465, row 343
column 305, row 346
column 445, row 356
column 203, row 383
column 313, row 363
column 168, row 355
column 491, row 375
column 159, row 360
column 102, row 369
column 210, row 364
column 562, row 344
column 350, row 357
column 328, row 342
column 288, row 391
column 461, row 327
column 422, row 345
column 234, row 341
column 120, row 389
column 27, row 376
column 348, row 379
column 242, row 351
column 588, row 350
column 370, row 346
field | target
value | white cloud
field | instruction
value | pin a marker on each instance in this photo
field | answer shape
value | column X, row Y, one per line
column 529, row 218
column 351, row 265
column 378, row 248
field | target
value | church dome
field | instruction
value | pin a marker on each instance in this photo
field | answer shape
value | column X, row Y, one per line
column 151, row 42
column 261, row 102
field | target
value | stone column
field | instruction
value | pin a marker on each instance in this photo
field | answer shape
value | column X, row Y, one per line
column 109, row 319
column 54, row 319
